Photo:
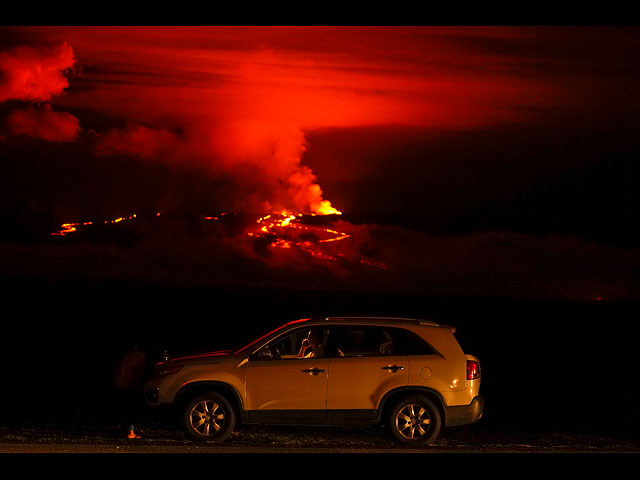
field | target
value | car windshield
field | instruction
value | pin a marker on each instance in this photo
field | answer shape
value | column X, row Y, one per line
column 250, row 346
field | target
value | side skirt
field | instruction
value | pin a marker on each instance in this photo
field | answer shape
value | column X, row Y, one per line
column 312, row 417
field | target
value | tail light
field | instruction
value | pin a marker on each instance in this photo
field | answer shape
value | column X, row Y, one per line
column 473, row 370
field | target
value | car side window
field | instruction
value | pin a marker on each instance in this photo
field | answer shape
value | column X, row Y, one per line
column 363, row 341
column 408, row 343
column 309, row 342
column 367, row 341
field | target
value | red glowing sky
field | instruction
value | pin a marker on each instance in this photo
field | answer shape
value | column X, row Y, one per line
column 245, row 101
column 488, row 136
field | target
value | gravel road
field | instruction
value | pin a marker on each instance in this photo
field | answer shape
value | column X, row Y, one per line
column 52, row 438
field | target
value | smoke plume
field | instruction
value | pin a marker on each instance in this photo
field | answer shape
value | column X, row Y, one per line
column 34, row 75
column 44, row 123
column 30, row 74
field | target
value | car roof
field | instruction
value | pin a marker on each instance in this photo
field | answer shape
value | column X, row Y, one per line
column 339, row 320
column 365, row 320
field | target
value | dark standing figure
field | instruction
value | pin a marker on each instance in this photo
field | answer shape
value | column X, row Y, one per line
column 128, row 380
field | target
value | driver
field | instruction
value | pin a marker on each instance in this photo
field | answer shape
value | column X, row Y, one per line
column 311, row 346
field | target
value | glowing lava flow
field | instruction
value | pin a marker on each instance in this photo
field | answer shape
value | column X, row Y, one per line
column 67, row 228
column 282, row 230
column 285, row 231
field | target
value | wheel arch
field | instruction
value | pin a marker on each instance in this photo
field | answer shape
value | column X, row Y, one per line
column 392, row 397
column 193, row 389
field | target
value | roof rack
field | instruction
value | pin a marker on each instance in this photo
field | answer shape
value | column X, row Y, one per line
column 386, row 319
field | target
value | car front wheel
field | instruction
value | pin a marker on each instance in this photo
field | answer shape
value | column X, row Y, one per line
column 415, row 420
column 209, row 418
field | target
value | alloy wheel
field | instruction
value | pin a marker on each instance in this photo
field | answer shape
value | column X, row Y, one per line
column 413, row 421
column 207, row 417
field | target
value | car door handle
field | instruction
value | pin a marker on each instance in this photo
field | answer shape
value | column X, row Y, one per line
column 393, row 368
column 314, row 371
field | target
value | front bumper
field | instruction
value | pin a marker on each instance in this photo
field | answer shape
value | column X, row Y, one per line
column 152, row 395
column 464, row 414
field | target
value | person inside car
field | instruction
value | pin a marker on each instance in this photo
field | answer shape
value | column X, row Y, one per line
column 311, row 346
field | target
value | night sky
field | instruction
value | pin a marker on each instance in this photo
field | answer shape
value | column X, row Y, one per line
column 467, row 161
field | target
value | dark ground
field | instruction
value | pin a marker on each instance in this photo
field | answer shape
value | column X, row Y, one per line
column 557, row 376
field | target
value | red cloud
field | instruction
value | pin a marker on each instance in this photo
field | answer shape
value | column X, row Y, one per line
column 245, row 99
column 44, row 123
column 138, row 140
column 31, row 74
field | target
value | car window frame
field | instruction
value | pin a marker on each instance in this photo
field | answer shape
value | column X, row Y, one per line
column 331, row 347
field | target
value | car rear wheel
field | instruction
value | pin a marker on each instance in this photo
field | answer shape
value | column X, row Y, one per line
column 209, row 418
column 415, row 420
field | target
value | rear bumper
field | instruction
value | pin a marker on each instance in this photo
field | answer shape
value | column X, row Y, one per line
column 464, row 414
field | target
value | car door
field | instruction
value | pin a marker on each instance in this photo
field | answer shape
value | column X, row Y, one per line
column 284, row 388
column 364, row 370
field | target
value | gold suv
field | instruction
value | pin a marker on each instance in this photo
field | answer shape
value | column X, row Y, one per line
column 411, row 375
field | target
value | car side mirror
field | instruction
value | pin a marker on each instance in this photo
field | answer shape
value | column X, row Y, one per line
column 263, row 354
